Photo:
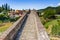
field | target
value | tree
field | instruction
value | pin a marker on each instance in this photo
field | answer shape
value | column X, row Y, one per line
column 6, row 7
column 1, row 9
column 58, row 10
column 49, row 13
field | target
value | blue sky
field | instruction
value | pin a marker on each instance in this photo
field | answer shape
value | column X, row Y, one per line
column 26, row 4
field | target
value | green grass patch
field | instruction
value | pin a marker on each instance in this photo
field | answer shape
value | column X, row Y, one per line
column 4, row 26
column 55, row 29
column 53, row 22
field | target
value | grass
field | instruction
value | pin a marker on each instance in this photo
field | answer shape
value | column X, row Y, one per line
column 49, row 26
column 5, row 26
column 42, row 20
column 53, row 22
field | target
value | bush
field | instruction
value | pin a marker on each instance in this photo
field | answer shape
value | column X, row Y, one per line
column 3, row 17
column 6, row 18
column 58, row 21
column 55, row 30
column 43, row 21
column 49, row 13
column 14, row 19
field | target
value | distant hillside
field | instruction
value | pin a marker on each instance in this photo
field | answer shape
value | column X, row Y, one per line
column 55, row 8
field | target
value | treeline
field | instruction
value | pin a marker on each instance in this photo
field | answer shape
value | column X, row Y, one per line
column 5, row 7
column 49, row 12
column 4, row 10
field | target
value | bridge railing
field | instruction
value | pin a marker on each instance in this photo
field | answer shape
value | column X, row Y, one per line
column 10, row 33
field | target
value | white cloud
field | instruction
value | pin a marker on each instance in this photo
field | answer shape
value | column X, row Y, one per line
column 51, row 5
column 58, row 4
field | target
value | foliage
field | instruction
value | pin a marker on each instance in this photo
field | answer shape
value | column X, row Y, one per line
column 3, row 17
column 56, row 30
column 14, row 19
column 43, row 21
column 58, row 10
column 4, row 13
column 52, row 23
column 6, row 7
column 0, row 9
column 49, row 13
column 5, row 20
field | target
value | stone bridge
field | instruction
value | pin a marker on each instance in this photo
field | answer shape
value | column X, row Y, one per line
column 28, row 27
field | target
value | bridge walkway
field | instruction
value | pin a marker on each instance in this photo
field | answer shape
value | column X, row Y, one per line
column 33, row 29
column 30, row 29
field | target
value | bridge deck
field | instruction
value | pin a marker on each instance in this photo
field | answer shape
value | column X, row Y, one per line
column 30, row 29
column 33, row 29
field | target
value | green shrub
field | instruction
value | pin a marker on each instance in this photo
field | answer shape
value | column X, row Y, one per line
column 14, row 19
column 49, row 13
column 43, row 21
column 55, row 30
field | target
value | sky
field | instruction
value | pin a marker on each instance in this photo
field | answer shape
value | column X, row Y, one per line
column 30, row 4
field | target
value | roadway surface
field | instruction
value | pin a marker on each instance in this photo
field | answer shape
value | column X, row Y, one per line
column 29, row 30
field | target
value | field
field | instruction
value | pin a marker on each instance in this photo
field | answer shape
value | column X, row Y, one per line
column 4, row 26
